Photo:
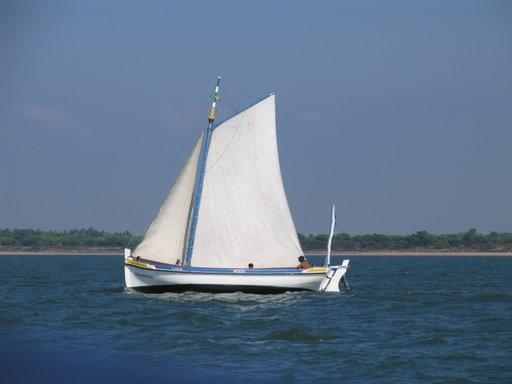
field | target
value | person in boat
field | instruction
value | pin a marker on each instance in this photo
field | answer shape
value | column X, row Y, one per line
column 251, row 265
column 303, row 263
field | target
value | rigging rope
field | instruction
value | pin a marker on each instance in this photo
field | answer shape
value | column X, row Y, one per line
column 200, row 113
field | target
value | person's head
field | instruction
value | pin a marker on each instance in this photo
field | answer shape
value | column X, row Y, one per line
column 302, row 258
column 251, row 265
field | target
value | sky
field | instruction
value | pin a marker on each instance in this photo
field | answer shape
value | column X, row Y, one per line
column 399, row 112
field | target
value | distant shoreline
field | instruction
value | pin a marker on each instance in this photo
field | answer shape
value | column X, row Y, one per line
column 415, row 253
column 78, row 251
column 117, row 251
column 90, row 241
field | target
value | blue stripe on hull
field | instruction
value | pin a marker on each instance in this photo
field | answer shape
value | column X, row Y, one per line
column 227, row 271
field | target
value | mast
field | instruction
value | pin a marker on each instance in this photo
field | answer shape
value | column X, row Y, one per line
column 331, row 233
column 201, row 172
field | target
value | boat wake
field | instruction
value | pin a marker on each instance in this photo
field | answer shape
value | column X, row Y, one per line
column 235, row 297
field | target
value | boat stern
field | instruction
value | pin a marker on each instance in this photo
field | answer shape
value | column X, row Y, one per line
column 335, row 274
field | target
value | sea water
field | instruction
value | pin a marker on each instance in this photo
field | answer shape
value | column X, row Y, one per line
column 406, row 320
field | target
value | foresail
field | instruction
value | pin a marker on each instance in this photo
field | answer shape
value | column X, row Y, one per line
column 166, row 237
column 244, row 215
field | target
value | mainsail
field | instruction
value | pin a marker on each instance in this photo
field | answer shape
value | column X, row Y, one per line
column 166, row 237
column 244, row 215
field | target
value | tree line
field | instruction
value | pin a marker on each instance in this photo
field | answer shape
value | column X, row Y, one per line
column 90, row 237
column 86, row 237
column 469, row 240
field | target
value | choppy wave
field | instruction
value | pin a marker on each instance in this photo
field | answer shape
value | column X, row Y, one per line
column 406, row 320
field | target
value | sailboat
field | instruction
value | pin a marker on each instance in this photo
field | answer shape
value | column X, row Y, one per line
column 225, row 225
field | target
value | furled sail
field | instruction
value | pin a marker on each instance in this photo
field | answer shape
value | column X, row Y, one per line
column 244, row 215
column 166, row 237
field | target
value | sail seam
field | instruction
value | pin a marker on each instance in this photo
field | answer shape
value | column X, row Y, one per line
column 225, row 149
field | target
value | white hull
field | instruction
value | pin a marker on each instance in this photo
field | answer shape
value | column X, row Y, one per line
column 156, row 280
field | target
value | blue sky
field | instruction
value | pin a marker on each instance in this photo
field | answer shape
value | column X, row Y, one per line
column 398, row 111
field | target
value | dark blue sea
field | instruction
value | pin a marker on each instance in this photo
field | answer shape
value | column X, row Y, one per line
column 69, row 319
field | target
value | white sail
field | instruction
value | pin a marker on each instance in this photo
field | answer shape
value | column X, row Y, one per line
column 244, row 215
column 166, row 237
column 331, row 234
